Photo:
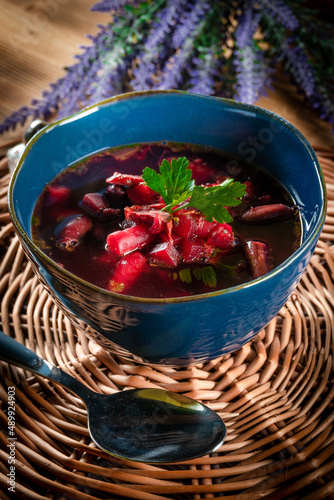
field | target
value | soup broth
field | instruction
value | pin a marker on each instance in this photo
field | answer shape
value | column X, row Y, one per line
column 98, row 220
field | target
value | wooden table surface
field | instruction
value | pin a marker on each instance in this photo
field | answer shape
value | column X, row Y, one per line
column 38, row 38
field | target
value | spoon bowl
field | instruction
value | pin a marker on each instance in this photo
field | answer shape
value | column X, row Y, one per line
column 144, row 425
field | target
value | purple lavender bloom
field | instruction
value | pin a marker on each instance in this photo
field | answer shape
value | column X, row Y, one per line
column 176, row 46
column 252, row 74
column 83, row 74
column 110, row 77
column 172, row 74
column 279, row 11
column 78, row 96
column 184, row 34
column 248, row 23
column 111, row 5
column 19, row 116
column 189, row 22
column 144, row 75
column 297, row 63
column 203, row 76
column 155, row 45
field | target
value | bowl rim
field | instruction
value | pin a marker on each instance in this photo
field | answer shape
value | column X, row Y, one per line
column 305, row 245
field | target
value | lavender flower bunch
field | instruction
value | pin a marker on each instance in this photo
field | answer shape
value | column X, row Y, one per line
column 226, row 48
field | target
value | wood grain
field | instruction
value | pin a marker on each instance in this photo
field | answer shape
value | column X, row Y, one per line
column 38, row 38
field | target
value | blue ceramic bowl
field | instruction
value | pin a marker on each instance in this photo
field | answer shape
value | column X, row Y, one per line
column 188, row 329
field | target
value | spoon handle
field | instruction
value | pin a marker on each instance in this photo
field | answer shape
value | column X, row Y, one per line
column 17, row 354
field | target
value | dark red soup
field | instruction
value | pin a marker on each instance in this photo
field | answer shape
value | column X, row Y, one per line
column 102, row 222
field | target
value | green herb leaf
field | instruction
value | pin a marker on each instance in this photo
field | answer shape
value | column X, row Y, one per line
column 209, row 276
column 206, row 274
column 197, row 272
column 175, row 185
column 211, row 201
column 185, row 275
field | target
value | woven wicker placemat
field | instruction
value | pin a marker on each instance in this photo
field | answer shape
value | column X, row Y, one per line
column 275, row 395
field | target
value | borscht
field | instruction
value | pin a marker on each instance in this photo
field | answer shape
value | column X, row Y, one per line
column 166, row 220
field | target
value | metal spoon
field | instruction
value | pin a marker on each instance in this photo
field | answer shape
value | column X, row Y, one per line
column 145, row 425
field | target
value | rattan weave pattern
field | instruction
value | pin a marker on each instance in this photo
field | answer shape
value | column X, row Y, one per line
column 276, row 395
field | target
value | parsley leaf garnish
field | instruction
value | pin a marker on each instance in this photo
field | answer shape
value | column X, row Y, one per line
column 185, row 275
column 205, row 273
column 211, row 201
column 175, row 185
column 209, row 276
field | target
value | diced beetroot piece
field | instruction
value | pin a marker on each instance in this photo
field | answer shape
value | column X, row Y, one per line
column 155, row 220
column 74, row 227
column 95, row 205
column 125, row 179
column 257, row 255
column 152, row 206
column 127, row 271
column 129, row 240
column 185, row 224
column 169, row 230
column 222, row 237
column 264, row 214
column 164, row 255
column 57, row 195
column 142, row 195
column 157, row 225
column 173, row 238
column 205, row 228
column 110, row 214
column 251, row 191
column 115, row 194
column 202, row 172
column 194, row 251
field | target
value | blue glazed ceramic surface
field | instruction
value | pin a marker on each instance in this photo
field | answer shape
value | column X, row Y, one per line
column 188, row 329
